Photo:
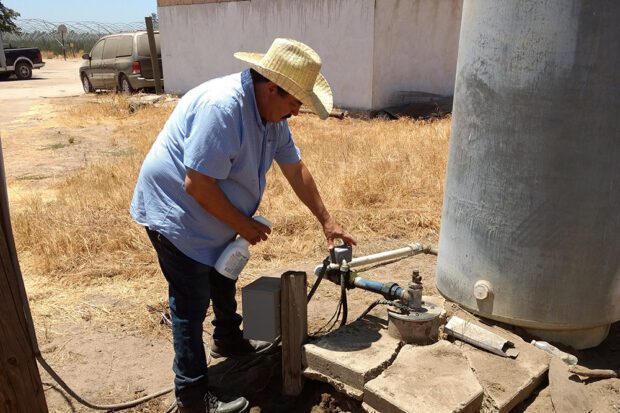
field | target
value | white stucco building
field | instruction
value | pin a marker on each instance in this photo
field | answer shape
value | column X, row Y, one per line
column 372, row 50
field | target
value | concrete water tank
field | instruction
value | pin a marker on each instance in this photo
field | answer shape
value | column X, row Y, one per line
column 530, row 232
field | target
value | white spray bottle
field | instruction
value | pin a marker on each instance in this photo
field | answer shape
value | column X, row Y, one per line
column 236, row 255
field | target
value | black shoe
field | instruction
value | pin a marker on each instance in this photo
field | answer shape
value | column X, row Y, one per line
column 236, row 347
column 214, row 405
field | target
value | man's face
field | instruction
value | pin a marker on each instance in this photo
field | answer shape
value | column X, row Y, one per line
column 276, row 107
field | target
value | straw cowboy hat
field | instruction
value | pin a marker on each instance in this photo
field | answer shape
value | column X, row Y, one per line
column 295, row 68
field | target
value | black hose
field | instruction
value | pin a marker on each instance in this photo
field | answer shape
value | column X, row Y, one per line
column 326, row 263
column 343, row 297
column 396, row 304
column 369, row 309
column 333, row 318
column 120, row 406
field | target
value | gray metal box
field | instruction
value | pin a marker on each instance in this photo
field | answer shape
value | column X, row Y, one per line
column 261, row 309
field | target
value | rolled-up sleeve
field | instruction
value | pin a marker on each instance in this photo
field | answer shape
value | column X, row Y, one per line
column 212, row 141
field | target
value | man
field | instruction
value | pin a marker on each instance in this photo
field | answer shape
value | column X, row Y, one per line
column 202, row 182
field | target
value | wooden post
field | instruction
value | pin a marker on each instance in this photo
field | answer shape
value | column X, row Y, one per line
column 294, row 330
column 154, row 59
column 21, row 390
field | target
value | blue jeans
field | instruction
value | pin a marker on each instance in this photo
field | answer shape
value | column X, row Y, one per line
column 190, row 287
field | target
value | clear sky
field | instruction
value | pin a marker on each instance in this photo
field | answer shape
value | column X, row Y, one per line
column 104, row 11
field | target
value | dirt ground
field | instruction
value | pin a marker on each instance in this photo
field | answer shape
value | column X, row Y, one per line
column 117, row 363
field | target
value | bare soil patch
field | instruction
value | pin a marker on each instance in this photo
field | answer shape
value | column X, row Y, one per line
column 42, row 150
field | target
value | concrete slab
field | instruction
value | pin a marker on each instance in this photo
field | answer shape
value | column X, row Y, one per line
column 434, row 378
column 352, row 355
column 567, row 395
column 343, row 388
column 506, row 381
column 540, row 403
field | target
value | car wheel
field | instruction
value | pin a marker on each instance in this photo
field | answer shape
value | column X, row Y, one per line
column 23, row 70
column 125, row 85
column 88, row 88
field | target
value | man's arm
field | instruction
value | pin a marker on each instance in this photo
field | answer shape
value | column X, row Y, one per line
column 206, row 191
column 300, row 179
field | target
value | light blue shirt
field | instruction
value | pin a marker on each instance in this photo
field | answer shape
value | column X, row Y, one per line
column 216, row 130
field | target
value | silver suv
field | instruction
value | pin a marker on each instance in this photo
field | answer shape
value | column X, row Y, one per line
column 120, row 61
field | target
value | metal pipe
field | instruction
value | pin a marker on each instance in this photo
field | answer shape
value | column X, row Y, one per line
column 408, row 251
column 415, row 296
column 388, row 290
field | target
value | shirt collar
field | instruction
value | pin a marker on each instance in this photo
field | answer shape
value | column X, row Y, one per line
column 248, row 89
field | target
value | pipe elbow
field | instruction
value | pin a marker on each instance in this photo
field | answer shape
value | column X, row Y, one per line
column 428, row 249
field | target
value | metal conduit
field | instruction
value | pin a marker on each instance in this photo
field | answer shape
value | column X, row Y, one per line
column 408, row 251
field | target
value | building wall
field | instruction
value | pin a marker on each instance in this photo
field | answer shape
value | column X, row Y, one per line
column 415, row 48
column 198, row 40
column 371, row 49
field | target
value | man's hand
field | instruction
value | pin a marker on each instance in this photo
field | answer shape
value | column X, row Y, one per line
column 206, row 191
column 333, row 231
column 253, row 231
column 298, row 175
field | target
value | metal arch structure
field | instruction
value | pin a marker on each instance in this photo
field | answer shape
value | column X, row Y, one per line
column 81, row 34
column 82, row 27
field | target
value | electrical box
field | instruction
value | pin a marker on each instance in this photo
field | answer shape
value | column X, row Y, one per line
column 261, row 309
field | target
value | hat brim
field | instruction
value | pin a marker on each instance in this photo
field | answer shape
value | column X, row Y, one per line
column 319, row 99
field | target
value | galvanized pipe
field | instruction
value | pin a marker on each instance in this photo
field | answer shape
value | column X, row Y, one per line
column 408, row 251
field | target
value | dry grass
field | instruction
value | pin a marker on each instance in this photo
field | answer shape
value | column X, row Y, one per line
column 50, row 54
column 381, row 179
column 86, row 230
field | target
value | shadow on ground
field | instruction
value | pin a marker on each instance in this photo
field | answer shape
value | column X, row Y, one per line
column 259, row 379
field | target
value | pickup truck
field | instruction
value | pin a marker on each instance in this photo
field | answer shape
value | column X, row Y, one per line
column 20, row 62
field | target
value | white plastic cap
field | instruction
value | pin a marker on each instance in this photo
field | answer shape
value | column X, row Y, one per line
column 482, row 290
